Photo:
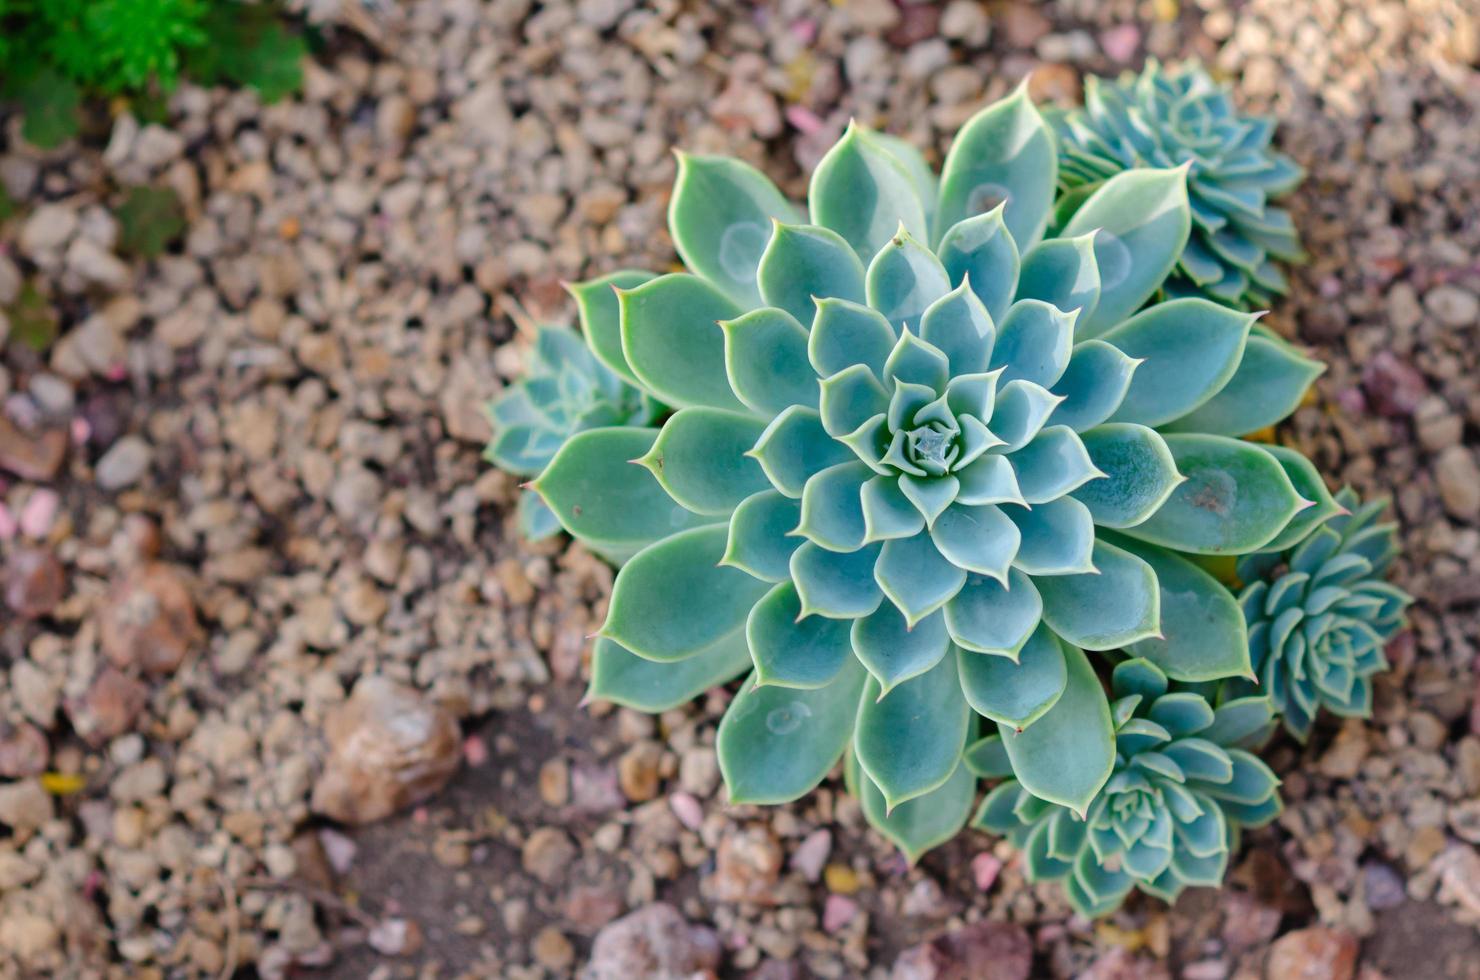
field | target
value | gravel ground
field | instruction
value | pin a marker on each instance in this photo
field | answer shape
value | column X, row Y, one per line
column 248, row 476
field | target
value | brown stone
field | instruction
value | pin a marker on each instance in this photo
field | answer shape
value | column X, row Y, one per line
column 31, row 457
column 981, row 951
column 109, row 708
column 148, row 621
column 747, row 866
column 1317, row 953
column 34, row 582
column 23, row 751
column 389, row 747
column 653, row 942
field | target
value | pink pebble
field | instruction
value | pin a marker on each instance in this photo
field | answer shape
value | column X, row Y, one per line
column 687, row 809
column 39, row 513
column 837, row 912
column 804, row 30
column 117, row 371
column 81, row 431
column 1120, row 42
column 339, row 849
column 8, row 526
column 475, row 751
column 984, row 868
column 804, row 120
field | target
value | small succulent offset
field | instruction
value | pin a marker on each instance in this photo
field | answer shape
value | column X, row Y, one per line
column 1165, row 118
column 1184, row 785
column 1320, row 614
column 565, row 390
column 923, row 455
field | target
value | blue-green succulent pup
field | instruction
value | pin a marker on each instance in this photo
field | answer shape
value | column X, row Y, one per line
column 1320, row 613
column 922, row 458
column 1167, row 118
column 1183, row 786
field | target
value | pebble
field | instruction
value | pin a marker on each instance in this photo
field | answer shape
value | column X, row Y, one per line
column 546, row 853
column 110, row 707
column 985, row 950
column 810, row 856
column 35, row 582
column 552, row 950
column 637, row 771
column 1452, row 306
column 148, row 621
column 24, row 806
column 124, row 464
column 1458, row 476
column 1315, row 953
column 31, row 457
column 48, row 228
column 747, row 865
column 389, row 747
column 23, row 751
column 655, row 942
column 837, row 912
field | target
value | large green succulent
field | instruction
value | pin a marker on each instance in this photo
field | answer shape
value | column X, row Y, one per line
column 922, row 458
column 1184, row 784
column 1166, row 118
column 1320, row 614
column 565, row 390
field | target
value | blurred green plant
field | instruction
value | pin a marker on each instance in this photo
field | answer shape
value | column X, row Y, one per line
column 54, row 54
column 33, row 323
column 148, row 220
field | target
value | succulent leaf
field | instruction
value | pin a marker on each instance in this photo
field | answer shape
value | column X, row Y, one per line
column 1271, row 380
column 605, row 501
column 861, row 191
column 766, row 361
column 922, row 823
column 1067, row 754
column 1015, row 692
column 622, row 677
column 672, row 340
column 804, row 263
column 681, row 570
column 980, row 252
column 930, row 715
column 791, row 650
column 776, row 744
column 1235, row 499
column 1003, row 156
column 1116, row 605
column 720, row 218
column 1140, row 220
column 601, row 316
column 1189, row 349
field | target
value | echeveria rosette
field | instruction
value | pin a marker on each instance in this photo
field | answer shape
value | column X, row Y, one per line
column 1183, row 786
column 1166, row 118
column 565, row 390
column 923, row 462
column 1320, row 614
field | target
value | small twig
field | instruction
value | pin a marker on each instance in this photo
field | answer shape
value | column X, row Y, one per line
column 233, row 926
column 515, row 311
column 317, row 895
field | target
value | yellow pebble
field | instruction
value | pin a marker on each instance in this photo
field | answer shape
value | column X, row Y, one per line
column 841, row 879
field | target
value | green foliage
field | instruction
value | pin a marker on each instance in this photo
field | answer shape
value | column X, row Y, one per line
column 922, row 458
column 1320, row 613
column 248, row 45
column 149, row 219
column 55, row 53
column 1184, row 784
column 1168, row 118
column 32, row 320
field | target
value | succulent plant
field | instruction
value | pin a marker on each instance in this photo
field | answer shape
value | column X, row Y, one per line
column 1166, row 118
column 1320, row 613
column 925, row 460
column 1184, row 785
column 565, row 390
